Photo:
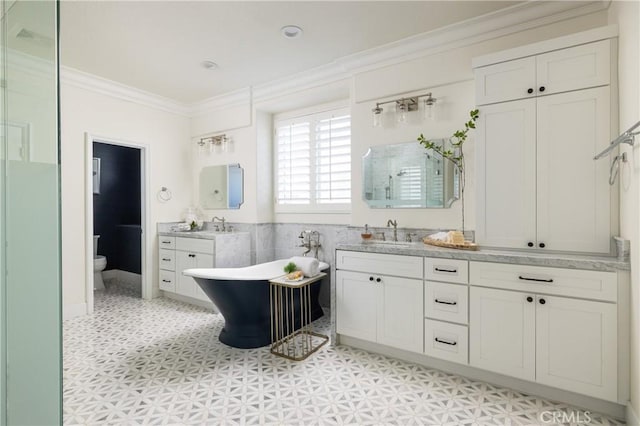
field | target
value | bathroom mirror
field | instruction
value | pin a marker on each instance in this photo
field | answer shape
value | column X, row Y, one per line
column 222, row 187
column 407, row 175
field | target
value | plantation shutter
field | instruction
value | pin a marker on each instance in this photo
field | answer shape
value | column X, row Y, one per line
column 294, row 163
column 313, row 160
column 333, row 160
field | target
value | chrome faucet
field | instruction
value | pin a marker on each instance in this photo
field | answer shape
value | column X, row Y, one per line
column 393, row 223
column 309, row 242
column 221, row 219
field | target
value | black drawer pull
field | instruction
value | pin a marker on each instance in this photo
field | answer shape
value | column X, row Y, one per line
column 166, row 281
column 550, row 280
column 166, row 242
column 444, row 302
column 192, row 255
column 446, row 342
column 164, row 259
column 451, row 271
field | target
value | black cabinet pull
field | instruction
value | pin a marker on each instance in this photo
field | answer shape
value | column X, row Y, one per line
column 542, row 301
column 542, row 88
column 542, row 245
column 166, row 242
column 378, row 280
column 529, row 90
column 444, row 302
column 530, row 244
column 550, row 280
column 446, row 342
column 529, row 299
column 166, row 281
column 450, row 271
column 370, row 278
column 164, row 259
column 192, row 255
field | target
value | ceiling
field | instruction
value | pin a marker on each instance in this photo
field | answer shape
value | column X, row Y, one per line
column 159, row 46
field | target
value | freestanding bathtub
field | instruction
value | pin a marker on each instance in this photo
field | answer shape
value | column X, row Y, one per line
column 242, row 297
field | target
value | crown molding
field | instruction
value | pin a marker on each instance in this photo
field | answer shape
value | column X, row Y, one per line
column 237, row 97
column 517, row 18
column 92, row 82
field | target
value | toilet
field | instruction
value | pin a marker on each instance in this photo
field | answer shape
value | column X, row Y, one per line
column 99, row 263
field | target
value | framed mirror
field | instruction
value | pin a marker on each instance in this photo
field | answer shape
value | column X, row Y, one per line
column 222, row 187
column 406, row 175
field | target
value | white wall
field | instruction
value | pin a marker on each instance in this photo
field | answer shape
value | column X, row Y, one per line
column 165, row 134
column 627, row 15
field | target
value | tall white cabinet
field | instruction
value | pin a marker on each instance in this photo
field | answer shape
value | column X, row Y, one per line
column 542, row 119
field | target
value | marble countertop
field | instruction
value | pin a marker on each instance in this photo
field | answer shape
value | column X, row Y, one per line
column 203, row 235
column 560, row 260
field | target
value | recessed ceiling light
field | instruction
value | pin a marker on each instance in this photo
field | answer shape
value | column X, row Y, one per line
column 291, row 31
column 210, row 65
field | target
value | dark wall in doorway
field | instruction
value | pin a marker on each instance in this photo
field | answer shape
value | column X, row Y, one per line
column 116, row 210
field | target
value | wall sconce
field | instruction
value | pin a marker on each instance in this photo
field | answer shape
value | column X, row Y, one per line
column 404, row 106
column 218, row 143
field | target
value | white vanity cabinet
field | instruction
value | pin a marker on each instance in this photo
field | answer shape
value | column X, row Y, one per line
column 379, row 298
column 565, row 342
column 175, row 254
column 538, row 185
column 192, row 253
column 446, row 295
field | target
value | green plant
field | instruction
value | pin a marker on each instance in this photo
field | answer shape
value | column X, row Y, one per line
column 456, row 154
column 290, row 267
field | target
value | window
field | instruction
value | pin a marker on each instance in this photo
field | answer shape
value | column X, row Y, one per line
column 313, row 161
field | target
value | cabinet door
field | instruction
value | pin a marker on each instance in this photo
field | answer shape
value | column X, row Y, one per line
column 576, row 346
column 574, row 68
column 506, row 81
column 185, row 285
column 400, row 313
column 356, row 300
column 574, row 199
column 506, row 188
column 202, row 261
column 502, row 332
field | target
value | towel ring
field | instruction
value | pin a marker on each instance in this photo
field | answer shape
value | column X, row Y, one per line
column 164, row 194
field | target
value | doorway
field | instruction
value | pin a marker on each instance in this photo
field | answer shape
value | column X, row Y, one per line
column 116, row 218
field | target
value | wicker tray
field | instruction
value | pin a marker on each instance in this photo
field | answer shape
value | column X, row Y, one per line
column 466, row 246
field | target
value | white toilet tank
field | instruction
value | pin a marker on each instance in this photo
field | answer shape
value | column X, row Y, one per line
column 95, row 245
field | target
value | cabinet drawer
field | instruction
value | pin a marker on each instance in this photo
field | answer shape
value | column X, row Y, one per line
column 375, row 263
column 447, row 270
column 167, row 281
column 167, row 260
column 166, row 242
column 538, row 279
column 447, row 302
column 194, row 245
column 446, row 341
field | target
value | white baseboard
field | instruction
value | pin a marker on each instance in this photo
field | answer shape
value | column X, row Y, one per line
column 190, row 300
column 632, row 416
column 74, row 310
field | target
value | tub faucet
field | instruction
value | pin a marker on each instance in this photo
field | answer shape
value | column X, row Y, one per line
column 393, row 223
column 310, row 239
column 221, row 220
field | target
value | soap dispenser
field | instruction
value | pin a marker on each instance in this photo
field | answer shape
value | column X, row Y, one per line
column 366, row 235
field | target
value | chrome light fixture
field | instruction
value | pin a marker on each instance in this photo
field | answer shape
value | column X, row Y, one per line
column 213, row 143
column 403, row 107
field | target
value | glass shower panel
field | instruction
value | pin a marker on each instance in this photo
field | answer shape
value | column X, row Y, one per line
column 31, row 215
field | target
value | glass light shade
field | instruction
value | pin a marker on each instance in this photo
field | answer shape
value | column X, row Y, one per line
column 429, row 110
column 377, row 116
column 401, row 114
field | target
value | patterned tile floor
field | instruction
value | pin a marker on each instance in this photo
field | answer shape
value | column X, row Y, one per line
column 159, row 362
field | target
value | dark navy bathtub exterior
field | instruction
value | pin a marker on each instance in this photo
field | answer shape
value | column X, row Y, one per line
column 246, row 309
